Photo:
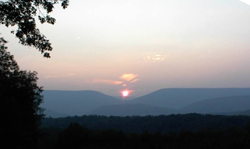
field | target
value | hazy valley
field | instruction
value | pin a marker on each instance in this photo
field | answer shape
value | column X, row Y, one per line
column 161, row 102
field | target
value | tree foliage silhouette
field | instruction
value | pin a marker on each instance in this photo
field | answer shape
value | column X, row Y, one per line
column 22, row 13
column 20, row 97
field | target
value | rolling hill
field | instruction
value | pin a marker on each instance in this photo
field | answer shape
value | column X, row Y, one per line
column 245, row 112
column 75, row 102
column 53, row 114
column 131, row 110
column 178, row 98
column 70, row 103
column 219, row 105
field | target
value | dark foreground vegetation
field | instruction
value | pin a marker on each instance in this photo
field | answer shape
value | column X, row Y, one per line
column 150, row 132
column 20, row 96
column 152, row 124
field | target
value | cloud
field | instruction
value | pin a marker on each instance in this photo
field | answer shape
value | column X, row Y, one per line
column 135, row 80
column 128, row 77
column 105, row 81
column 156, row 57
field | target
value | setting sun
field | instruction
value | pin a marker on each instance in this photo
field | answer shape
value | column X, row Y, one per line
column 125, row 93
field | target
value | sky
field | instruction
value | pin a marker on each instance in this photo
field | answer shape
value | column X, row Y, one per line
column 142, row 46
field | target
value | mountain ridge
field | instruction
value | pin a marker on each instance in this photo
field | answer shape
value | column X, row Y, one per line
column 75, row 102
column 219, row 105
column 131, row 110
column 178, row 98
column 84, row 102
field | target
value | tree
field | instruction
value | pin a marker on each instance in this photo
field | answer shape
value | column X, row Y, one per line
column 20, row 97
column 22, row 13
column 74, row 137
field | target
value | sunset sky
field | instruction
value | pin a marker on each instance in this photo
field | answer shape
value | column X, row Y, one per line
column 142, row 46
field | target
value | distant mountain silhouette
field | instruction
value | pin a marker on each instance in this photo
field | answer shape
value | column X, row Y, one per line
column 53, row 114
column 245, row 112
column 80, row 103
column 178, row 98
column 131, row 110
column 125, row 98
column 75, row 102
column 219, row 105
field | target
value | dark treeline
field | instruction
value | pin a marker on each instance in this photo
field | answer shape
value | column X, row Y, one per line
column 149, row 132
column 78, row 137
column 151, row 124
